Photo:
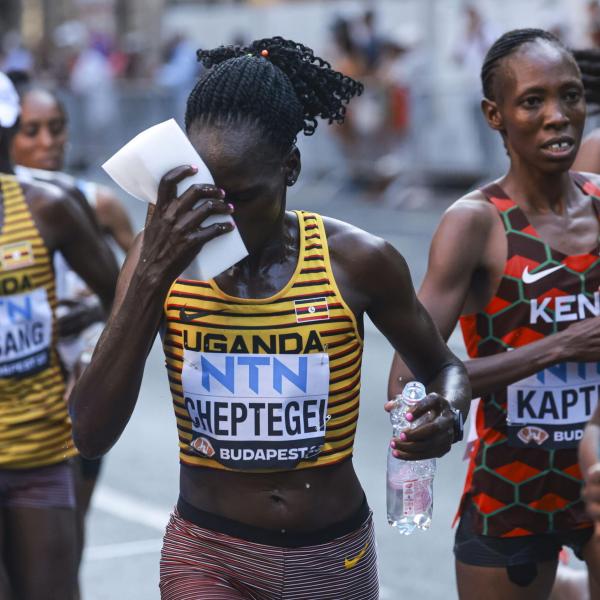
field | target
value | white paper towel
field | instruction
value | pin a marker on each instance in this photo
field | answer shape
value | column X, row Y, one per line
column 138, row 168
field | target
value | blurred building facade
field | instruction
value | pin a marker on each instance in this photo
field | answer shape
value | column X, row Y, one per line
column 147, row 48
column 37, row 20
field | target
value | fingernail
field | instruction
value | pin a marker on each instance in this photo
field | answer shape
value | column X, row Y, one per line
column 409, row 417
column 194, row 168
column 396, row 453
column 402, row 437
column 230, row 207
column 392, row 444
column 222, row 192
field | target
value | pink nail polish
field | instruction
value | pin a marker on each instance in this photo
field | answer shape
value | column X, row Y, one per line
column 230, row 207
column 194, row 168
column 392, row 444
column 396, row 453
column 222, row 191
column 409, row 417
column 402, row 437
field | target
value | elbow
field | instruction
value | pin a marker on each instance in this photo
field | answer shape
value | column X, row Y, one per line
column 87, row 448
column 87, row 443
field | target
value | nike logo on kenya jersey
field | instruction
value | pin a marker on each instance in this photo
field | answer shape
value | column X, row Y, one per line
column 533, row 277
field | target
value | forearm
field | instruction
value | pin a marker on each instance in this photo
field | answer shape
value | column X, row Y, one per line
column 104, row 397
column 491, row 373
column 589, row 447
column 106, row 292
column 452, row 382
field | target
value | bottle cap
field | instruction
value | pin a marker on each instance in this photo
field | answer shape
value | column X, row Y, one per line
column 414, row 391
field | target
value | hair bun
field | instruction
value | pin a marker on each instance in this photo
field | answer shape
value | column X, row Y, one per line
column 322, row 91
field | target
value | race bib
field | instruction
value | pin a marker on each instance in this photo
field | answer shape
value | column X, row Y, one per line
column 551, row 408
column 256, row 411
column 25, row 333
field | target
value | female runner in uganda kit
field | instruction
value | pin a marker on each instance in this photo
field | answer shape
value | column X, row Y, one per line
column 264, row 361
column 34, row 425
column 268, row 385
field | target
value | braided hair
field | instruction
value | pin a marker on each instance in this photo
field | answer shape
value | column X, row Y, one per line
column 278, row 84
column 506, row 45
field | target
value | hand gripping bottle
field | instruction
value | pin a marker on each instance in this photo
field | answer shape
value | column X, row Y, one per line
column 409, row 483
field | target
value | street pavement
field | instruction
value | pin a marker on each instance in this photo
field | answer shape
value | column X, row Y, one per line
column 139, row 482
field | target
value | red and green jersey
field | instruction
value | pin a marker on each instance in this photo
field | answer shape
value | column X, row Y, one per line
column 524, row 477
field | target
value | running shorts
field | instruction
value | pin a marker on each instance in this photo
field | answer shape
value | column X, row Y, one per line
column 42, row 487
column 198, row 563
column 487, row 551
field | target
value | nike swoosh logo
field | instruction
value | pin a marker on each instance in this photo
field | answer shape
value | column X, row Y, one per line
column 190, row 316
column 533, row 277
column 350, row 563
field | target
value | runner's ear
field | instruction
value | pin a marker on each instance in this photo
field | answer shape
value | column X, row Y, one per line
column 492, row 114
column 293, row 165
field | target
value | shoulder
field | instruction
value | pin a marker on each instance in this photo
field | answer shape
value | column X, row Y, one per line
column 471, row 215
column 366, row 267
column 350, row 243
column 105, row 197
column 51, row 181
column 593, row 138
column 108, row 206
column 592, row 178
column 44, row 194
column 52, row 205
column 472, row 207
column 588, row 157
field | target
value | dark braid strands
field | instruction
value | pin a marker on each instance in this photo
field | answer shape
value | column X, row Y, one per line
column 506, row 45
column 284, row 92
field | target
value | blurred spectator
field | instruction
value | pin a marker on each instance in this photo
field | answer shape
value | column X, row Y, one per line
column 394, row 73
column 469, row 52
column 345, row 53
column 179, row 67
column 376, row 128
column 239, row 39
column 178, row 72
column 92, row 82
column 555, row 18
column 401, row 73
column 128, row 60
column 367, row 38
column 473, row 44
column 593, row 22
column 15, row 57
column 346, row 57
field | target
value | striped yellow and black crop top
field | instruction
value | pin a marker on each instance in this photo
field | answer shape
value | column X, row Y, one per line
column 266, row 384
column 35, row 429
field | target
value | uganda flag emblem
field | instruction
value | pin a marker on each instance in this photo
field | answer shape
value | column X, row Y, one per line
column 311, row 309
column 16, row 256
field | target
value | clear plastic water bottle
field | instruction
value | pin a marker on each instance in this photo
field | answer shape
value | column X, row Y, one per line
column 409, row 483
